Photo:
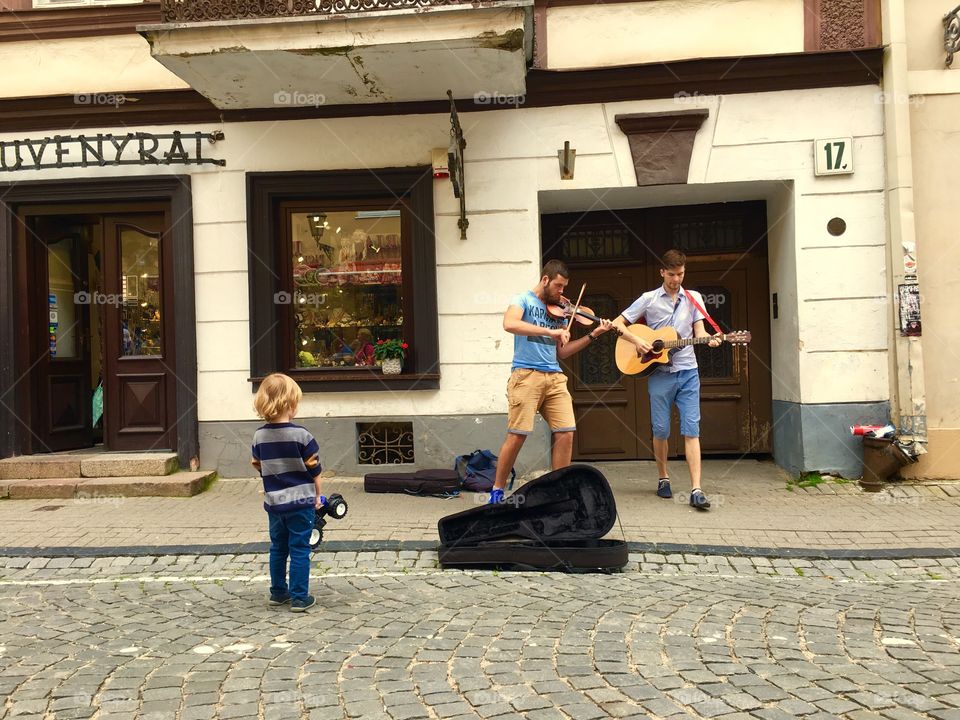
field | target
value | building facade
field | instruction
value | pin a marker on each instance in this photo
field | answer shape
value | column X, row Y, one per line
column 193, row 199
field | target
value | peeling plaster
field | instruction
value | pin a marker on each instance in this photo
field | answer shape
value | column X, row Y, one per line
column 511, row 41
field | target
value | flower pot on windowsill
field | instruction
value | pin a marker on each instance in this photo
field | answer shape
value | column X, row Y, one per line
column 391, row 366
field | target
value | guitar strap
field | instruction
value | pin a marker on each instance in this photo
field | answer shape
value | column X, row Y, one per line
column 704, row 313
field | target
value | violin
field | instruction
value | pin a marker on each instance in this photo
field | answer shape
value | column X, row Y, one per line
column 584, row 316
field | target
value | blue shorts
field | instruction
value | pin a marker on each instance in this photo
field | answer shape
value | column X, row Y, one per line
column 681, row 388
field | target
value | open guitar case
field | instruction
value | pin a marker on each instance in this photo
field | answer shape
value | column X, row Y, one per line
column 555, row 522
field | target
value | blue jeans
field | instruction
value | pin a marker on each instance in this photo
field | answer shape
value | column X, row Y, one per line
column 290, row 535
column 681, row 388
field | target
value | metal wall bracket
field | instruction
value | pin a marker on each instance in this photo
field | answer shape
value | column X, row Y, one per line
column 951, row 34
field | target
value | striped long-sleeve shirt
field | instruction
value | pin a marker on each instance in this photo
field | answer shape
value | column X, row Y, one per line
column 287, row 457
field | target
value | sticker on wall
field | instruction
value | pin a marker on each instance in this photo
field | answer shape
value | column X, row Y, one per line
column 909, row 296
column 834, row 156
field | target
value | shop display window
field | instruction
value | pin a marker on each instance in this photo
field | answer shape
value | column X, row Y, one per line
column 347, row 284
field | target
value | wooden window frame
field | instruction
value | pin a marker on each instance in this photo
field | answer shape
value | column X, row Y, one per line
column 269, row 198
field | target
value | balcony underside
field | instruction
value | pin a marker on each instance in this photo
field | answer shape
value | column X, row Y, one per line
column 370, row 57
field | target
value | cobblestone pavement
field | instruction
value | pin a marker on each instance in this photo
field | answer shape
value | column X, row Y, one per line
column 185, row 638
column 752, row 506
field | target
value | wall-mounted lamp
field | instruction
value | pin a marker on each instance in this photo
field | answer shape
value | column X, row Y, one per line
column 318, row 223
column 568, row 157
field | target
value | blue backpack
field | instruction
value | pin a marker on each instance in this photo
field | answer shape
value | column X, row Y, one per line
column 478, row 470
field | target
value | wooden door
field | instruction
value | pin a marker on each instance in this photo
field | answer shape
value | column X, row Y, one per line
column 139, row 343
column 724, row 376
column 60, row 339
column 603, row 401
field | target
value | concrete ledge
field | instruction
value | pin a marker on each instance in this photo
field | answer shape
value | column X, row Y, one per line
column 4, row 489
column 33, row 467
column 42, row 488
column 182, row 484
column 115, row 465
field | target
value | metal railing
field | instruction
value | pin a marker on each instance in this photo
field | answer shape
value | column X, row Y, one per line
column 174, row 11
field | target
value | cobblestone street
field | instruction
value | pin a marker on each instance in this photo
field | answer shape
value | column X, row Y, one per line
column 187, row 637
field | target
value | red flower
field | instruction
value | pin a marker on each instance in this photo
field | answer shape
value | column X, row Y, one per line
column 379, row 342
column 404, row 346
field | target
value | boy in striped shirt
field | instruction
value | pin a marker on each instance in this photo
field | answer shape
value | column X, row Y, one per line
column 287, row 456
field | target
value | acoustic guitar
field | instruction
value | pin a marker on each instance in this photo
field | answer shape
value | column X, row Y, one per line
column 665, row 342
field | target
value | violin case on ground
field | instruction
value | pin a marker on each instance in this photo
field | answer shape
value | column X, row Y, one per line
column 555, row 522
column 438, row 483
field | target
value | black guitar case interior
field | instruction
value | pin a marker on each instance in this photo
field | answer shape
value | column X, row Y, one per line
column 555, row 522
column 438, row 482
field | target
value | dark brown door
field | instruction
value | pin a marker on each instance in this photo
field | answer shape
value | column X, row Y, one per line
column 60, row 339
column 139, row 343
column 604, row 401
column 724, row 386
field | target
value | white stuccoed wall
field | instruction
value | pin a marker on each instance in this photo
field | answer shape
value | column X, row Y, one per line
column 829, row 344
column 601, row 35
column 68, row 66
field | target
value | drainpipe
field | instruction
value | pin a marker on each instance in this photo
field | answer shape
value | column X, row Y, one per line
column 907, row 393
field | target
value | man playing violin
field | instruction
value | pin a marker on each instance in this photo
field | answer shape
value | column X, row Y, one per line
column 536, row 381
column 679, row 382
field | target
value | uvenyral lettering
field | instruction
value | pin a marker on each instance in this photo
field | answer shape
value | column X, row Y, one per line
column 146, row 156
column 88, row 150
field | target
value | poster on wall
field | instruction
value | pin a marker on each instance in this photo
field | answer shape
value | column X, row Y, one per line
column 909, row 310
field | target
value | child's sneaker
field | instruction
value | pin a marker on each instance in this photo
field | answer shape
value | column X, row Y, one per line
column 698, row 500
column 663, row 488
column 280, row 599
column 496, row 496
column 300, row 605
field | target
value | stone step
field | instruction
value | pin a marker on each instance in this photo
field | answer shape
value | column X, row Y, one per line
column 88, row 465
column 107, row 489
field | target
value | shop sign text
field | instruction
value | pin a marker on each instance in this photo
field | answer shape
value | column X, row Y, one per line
column 100, row 150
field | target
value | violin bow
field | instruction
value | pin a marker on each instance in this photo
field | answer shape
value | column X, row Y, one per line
column 576, row 307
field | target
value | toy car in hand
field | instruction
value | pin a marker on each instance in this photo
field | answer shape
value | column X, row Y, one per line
column 334, row 506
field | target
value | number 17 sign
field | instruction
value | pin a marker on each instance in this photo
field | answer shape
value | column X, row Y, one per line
column 834, row 156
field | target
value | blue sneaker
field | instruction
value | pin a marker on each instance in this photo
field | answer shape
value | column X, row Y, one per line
column 663, row 488
column 698, row 500
column 496, row 496
column 300, row 605
column 280, row 599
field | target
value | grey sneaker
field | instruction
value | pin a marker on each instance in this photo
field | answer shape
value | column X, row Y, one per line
column 299, row 605
column 280, row 599
column 698, row 500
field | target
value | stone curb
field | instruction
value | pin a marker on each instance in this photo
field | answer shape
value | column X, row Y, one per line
column 425, row 545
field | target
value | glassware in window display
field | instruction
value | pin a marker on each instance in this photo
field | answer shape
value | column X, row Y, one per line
column 350, row 291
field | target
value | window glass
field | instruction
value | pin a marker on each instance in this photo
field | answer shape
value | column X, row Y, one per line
column 140, row 282
column 347, row 289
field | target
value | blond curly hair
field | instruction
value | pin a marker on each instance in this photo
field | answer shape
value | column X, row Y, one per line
column 278, row 394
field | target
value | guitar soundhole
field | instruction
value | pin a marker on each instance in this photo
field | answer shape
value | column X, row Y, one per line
column 658, row 346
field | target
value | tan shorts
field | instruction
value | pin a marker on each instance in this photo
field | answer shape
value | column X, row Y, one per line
column 529, row 391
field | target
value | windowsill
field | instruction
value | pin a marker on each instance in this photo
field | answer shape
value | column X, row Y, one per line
column 358, row 380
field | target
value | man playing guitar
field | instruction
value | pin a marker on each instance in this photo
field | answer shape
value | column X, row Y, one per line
column 677, row 383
